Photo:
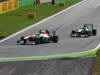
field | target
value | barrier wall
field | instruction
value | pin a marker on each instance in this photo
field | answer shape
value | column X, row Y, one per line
column 8, row 5
column 23, row 3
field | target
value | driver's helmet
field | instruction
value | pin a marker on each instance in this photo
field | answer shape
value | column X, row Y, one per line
column 43, row 32
column 80, row 29
column 39, row 31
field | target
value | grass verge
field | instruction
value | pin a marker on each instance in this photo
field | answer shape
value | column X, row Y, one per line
column 91, row 53
column 97, row 67
column 16, row 20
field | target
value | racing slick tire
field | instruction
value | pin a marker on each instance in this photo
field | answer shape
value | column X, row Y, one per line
column 21, row 41
column 18, row 41
column 78, row 35
column 94, row 32
column 55, row 39
column 73, row 33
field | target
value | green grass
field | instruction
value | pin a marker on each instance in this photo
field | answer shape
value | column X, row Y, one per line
column 91, row 53
column 71, row 2
column 16, row 20
column 97, row 67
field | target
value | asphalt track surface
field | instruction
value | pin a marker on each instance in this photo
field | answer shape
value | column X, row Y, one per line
column 85, row 12
column 77, row 66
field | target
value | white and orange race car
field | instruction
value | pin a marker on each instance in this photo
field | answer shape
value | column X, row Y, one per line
column 43, row 36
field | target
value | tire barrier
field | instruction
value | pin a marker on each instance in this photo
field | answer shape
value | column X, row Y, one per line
column 8, row 5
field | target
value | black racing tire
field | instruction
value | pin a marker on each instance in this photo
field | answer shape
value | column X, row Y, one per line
column 24, row 41
column 78, row 35
column 55, row 39
column 94, row 32
column 21, row 39
column 18, row 41
column 73, row 32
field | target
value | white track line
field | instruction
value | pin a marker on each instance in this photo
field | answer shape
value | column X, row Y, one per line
column 97, row 5
column 98, row 47
column 41, row 21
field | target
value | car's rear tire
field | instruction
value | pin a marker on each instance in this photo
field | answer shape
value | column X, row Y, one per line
column 24, row 41
column 55, row 39
column 18, row 41
column 94, row 32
